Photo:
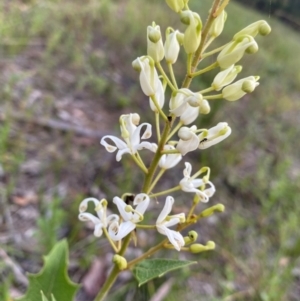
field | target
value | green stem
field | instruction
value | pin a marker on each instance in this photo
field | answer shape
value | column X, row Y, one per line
column 206, row 54
column 208, row 68
column 150, row 252
column 156, row 179
column 110, row 280
column 171, row 71
column 165, row 191
column 216, row 96
column 153, row 98
column 157, row 156
column 163, row 73
column 157, row 125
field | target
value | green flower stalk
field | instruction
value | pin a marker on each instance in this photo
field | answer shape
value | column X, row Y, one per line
column 177, row 136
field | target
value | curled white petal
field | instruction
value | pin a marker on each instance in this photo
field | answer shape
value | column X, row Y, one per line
column 162, row 224
column 168, row 161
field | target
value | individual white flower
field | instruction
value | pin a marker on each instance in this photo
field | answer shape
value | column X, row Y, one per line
column 129, row 215
column 168, row 161
column 100, row 222
column 192, row 34
column 235, row 50
column 214, row 135
column 149, row 80
column 131, row 135
column 164, row 221
column 180, row 105
column 225, row 77
column 155, row 47
column 190, row 184
column 218, row 24
column 241, row 87
column 189, row 141
column 172, row 46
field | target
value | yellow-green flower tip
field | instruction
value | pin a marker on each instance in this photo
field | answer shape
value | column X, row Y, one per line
column 176, row 5
column 198, row 248
column 120, row 261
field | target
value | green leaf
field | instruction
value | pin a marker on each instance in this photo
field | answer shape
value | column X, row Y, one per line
column 152, row 268
column 53, row 280
column 45, row 299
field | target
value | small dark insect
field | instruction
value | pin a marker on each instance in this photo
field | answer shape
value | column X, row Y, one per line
column 202, row 141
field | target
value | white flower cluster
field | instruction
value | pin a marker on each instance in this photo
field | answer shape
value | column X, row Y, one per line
column 185, row 106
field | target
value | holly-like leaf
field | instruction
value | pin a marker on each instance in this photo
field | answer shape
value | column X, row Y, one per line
column 53, row 280
column 152, row 268
column 45, row 299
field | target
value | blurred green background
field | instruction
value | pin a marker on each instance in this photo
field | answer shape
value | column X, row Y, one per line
column 65, row 78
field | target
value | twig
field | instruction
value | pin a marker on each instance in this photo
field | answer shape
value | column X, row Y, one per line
column 52, row 124
column 16, row 269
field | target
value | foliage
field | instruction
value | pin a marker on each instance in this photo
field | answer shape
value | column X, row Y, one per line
column 53, row 279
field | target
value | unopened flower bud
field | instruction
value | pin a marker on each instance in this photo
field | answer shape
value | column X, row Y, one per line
column 180, row 37
column 260, row 27
column 155, row 47
column 218, row 24
column 192, row 237
column 176, row 5
column 238, row 89
column 211, row 210
column 185, row 133
column 195, row 100
column 226, row 77
column 120, row 261
column 235, row 50
column 192, row 34
column 172, row 46
column 205, row 107
column 252, row 49
column 197, row 248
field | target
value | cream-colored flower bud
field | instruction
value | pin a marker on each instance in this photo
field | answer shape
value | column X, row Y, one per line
column 195, row 100
column 176, row 5
column 172, row 46
column 135, row 117
column 238, row 89
column 149, row 80
column 205, row 107
column 192, row 237
column 260, row 27
column 155, row 47
column 249, row 86
column 197, row 248
column 192, row 34
column 226, row 77
column 218, row 24
column 235, row 50
column 180, row 37
column 120, row 261
column 185, row 133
